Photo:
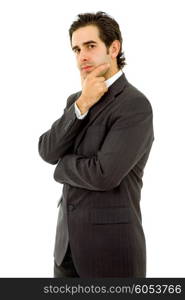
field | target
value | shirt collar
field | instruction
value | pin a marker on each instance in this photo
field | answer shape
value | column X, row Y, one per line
column 112, row 79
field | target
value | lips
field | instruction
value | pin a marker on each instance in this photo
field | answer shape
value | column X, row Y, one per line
column 85, row 68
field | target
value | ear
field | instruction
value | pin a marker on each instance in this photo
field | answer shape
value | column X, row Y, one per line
column 114, row 48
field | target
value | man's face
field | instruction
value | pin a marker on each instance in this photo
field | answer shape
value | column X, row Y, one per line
column 90, row 51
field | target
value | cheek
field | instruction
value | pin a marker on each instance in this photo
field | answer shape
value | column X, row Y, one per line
column 101, row 59
column 78, row 65
column 77, row 62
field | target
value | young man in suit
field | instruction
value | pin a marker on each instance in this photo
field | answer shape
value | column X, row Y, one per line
column 101, row 145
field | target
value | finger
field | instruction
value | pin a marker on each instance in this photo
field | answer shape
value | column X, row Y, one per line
column 103, row 87
column 100, row 79
column 99, row 70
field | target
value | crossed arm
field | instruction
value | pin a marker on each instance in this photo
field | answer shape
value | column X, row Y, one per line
column 126, row 142
column 59, row 139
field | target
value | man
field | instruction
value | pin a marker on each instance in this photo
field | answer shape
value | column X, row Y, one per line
column 100, row 145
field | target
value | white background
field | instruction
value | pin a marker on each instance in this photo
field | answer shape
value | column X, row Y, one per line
column 37, row 73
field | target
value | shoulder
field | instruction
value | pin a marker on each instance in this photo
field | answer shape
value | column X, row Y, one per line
column 132, row 99
column 72, row 98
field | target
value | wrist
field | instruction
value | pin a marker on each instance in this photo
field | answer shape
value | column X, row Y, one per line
column 82, row 106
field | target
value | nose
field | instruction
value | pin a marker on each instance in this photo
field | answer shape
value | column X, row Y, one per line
column 83, row 56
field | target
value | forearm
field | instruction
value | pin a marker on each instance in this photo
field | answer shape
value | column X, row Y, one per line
column 121, row 151
column 57, row 141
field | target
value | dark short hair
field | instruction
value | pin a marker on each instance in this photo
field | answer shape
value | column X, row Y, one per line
column 109, row 30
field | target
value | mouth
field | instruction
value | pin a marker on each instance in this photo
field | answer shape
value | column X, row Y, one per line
column 86, row 68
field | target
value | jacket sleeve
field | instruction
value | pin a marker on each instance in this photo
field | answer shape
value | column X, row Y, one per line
column 56, row 142
column 129, row 138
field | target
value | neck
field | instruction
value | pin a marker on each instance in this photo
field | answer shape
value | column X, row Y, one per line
column 111, row 72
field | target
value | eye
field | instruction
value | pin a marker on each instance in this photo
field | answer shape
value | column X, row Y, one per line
column 91, row 46
column 76, row 50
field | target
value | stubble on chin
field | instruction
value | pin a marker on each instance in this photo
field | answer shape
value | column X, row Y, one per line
column 83, row 75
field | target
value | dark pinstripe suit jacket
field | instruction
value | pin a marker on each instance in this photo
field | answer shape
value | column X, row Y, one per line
column 100, row 162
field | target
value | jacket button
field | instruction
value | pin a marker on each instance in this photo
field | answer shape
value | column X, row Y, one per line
column 71, row 207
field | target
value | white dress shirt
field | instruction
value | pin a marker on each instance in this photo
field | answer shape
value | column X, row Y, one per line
column 108, row 83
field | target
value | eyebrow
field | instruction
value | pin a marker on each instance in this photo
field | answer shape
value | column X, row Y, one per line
column 84, row 44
